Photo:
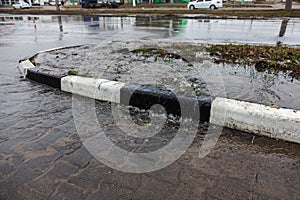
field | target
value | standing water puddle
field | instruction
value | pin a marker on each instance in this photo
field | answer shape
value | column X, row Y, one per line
column 179, row 67
column 116, row 37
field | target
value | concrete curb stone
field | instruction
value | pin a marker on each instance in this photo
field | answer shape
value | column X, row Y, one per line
column 253, row 118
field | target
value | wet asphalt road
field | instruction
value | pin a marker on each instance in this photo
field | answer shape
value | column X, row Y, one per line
column 42, row 157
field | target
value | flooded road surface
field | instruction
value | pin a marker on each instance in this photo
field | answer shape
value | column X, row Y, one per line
column 79, row 28
column 194, row 71
column 42, row 156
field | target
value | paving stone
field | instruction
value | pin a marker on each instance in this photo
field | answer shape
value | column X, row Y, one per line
column 3, row 194
column 16, row 159
column 110, row 192
column 154, row 189
column 67, row 191
column 80, row 157
column 22, row 175
column 169, row 174
column 124, row 180
column 5, row 169
column 43, row 162
column 231, row 188
column 8, row 146
column 46, row 185
column 26, row 192
column 91, row 176
column 196, row 182
column 270, row 184
column 185, row 194
column 69, row 145
column 62, row 169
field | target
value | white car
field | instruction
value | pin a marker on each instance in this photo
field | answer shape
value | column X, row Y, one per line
column 53, row 2
column 211, row 4
column 20, row 5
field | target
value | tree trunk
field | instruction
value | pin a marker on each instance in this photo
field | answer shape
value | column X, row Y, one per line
column 288, row 4
column 56, row 3
column 283, row 27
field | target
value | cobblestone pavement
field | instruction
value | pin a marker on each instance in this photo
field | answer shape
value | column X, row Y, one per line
column 42, row 157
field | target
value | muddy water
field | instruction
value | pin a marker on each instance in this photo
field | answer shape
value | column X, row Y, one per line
column 117, row 33
column 114, row 37
column 193, row 72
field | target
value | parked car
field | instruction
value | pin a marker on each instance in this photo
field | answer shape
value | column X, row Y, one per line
column 21, row 5
column 100, row 3
column 53, row 2
column 211, row 4
column 36, row 3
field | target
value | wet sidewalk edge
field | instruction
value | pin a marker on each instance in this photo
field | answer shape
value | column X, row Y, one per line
column 273, row 122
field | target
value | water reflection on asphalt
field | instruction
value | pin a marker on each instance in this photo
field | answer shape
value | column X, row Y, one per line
column 250, row 31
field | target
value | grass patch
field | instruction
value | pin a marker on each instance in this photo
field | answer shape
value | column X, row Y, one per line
column 148, row 51
column 184, row 5
column 238, row 5
column 156, row 52
column 71, row 6
column 157, row 5
column 72, row 72
column 270, row 58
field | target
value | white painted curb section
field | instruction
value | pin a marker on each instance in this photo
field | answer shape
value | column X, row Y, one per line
column 100, row 89
column 249, row 117
column 24, row 66
column 57, row 48
column 258, row 119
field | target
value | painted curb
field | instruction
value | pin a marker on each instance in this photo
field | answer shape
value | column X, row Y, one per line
column 57, row 48
column 100, row 89
column 24, row 66
column 41, row 77
column 145, row 96
column 259, row 119
column 254, row 118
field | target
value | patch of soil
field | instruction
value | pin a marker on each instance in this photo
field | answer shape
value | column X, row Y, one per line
column 197, row 14
column 264, row 58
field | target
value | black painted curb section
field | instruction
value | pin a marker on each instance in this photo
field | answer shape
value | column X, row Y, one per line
column 41, row 77
column 146, row 95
